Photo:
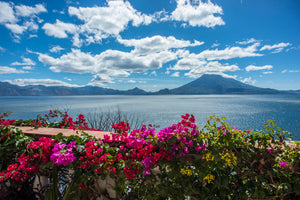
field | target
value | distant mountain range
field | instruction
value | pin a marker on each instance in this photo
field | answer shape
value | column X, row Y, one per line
column 206, row 84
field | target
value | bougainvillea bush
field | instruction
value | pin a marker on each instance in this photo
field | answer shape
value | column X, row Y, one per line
column 181, row 161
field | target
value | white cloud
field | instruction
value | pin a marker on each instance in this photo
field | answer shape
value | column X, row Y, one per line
column 211, row 68
column 290, row 71
column 7, row 13
column 27, row 68
column 157, row 43
column 255, row 68
column 26, row 61
column 66, row 78
column 198, row 13
column 106, row 21
column 10, row 70
column 15, row 28
column 56, row 49
column 100, row 80
column 215, row 45
column 230, row 52
column 268, row 72
column 175, row 74
column 188, row 63
column 294, row 71
column 131, row 81
column 276, row 47
column 249, row 81
column 59, row 29
column 248, row 41
column 23, row 13
column 2, row 49
column 45, row 82
column 153, row 73
column 26, row 11
column 112, row 62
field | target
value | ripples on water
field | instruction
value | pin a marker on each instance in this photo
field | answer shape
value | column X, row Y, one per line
column 242, row 111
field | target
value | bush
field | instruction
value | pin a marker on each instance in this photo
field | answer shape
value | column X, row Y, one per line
column 178, row 162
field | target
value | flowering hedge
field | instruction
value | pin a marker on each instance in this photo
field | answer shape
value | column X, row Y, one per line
column 180, row 161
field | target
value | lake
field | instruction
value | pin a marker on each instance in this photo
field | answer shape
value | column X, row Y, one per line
column 242, row 111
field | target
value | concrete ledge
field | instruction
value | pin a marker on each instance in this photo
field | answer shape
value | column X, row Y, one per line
column 54, row 131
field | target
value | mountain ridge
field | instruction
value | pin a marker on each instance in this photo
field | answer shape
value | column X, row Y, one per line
column 206, row 84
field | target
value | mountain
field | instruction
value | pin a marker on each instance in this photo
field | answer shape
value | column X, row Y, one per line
column 216, row 84
column 7, row 89
column 206, row 84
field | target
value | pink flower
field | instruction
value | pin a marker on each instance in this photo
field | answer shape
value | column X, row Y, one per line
column 63, row 154
column 283, row 165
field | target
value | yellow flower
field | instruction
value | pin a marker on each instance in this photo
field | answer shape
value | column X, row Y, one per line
column 186, row 171
column 209, row 178
column 229, row 158
column 208, row 157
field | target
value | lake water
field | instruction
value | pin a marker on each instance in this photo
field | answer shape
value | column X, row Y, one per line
column 242, row 111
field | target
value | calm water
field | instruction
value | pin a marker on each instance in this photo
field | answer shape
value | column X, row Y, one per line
column 242, row 111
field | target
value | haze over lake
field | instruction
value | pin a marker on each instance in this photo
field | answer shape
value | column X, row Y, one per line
column 242, row 111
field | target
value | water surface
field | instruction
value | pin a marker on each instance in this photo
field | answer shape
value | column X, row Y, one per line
column 242, row 111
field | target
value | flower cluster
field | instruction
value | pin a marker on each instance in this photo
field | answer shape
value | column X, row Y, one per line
column 143, row 161
column 229, row 158
column 121, row 127
column 186, row 171
column 209, row 178
column 63, row 153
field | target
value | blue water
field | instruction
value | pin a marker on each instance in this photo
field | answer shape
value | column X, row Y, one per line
column 242, row 111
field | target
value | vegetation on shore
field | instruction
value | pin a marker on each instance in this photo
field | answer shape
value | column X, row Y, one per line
column 176, row 162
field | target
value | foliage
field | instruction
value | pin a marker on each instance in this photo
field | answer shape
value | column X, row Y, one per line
column 177, row 162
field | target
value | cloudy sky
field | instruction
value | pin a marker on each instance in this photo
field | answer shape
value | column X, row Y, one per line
column 149, row 44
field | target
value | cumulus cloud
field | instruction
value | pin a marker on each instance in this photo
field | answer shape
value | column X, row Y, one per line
column 230, row 52
column 276, row 47
column 249, row 81
column 26, row 61
column 113, row 62
column 7, row 13
column 175, row 74
column 27, row 67
column 100, row 22
column 255, row 68
column 56, row 49
column 198, row 13
column 59, row 29
column 24, row 18
column 45, row 82
column 15, row 28
column 211, row 68
column 100, row 80
column 26, row 11
column 153, row 73
column 10, row 70
column 157, row 43
column 248, row 41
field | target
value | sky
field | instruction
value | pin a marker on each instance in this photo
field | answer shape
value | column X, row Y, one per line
column 150, row 44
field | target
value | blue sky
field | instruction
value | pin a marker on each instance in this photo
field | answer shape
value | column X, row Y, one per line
column 149, row 44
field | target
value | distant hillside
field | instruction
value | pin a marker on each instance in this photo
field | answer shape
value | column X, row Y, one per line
column 206, row 84
column 216, row 84
column 7, row 89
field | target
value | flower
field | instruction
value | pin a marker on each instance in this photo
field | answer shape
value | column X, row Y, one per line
column 283, row 164
column 186, row 171
column 229, row 158
column 63, row 154
column 209, row 178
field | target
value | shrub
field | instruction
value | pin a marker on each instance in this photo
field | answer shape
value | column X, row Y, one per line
column 180, row 161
